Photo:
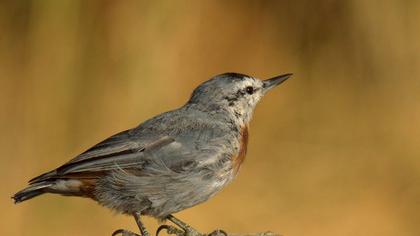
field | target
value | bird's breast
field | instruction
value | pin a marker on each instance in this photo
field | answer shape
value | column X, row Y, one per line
column 243, row 144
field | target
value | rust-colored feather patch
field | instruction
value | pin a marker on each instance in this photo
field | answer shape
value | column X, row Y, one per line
column 87, row 188
column 84, row 186
column 237, row 161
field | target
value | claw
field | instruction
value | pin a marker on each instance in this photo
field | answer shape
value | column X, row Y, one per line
column 186, row 229
column 218, row 232
column 124, row 232
column 170, row 230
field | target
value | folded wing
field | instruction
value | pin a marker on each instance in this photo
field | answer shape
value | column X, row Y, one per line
column 126, row 151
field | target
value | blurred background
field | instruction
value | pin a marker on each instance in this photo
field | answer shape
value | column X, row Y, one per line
column 333, row 151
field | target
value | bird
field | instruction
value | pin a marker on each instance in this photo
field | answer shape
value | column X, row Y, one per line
column 168, row 163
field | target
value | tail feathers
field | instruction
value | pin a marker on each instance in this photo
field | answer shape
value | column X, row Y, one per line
column 31, row 191
column 43, row 177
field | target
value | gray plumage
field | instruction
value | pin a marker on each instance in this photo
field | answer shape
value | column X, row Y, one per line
column 168, row 163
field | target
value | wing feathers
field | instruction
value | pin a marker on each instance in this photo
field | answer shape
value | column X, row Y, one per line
column 113, row 160
column 105, row 156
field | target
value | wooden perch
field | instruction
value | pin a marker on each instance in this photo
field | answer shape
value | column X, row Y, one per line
column 267, row 233
column 174, row 231
column 222, row 233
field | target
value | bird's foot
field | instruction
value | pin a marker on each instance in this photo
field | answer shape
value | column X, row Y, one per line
column 187, row 231
column 124, row 232
column 170, row 230
column 218, row 232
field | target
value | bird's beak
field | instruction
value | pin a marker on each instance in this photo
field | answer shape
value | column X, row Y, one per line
column 273, row 82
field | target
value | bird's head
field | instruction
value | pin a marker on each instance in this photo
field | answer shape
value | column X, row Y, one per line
column 236, row 93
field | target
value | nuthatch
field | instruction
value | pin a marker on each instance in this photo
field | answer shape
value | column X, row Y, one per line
column 170, row 162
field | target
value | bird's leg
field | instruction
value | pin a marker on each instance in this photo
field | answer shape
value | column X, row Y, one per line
column 170, row 230
column 190, row 231
column 140, row 224
column 142, row 229
column 186, row 229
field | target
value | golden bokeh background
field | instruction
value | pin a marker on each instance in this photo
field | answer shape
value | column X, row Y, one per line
column 333, row 151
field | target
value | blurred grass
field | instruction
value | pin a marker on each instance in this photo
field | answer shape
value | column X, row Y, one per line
column 334, row 151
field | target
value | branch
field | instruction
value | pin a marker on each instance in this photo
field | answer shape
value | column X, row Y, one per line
column 221, row 233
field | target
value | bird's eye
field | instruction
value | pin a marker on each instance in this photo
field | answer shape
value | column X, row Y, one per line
column 249, row 90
